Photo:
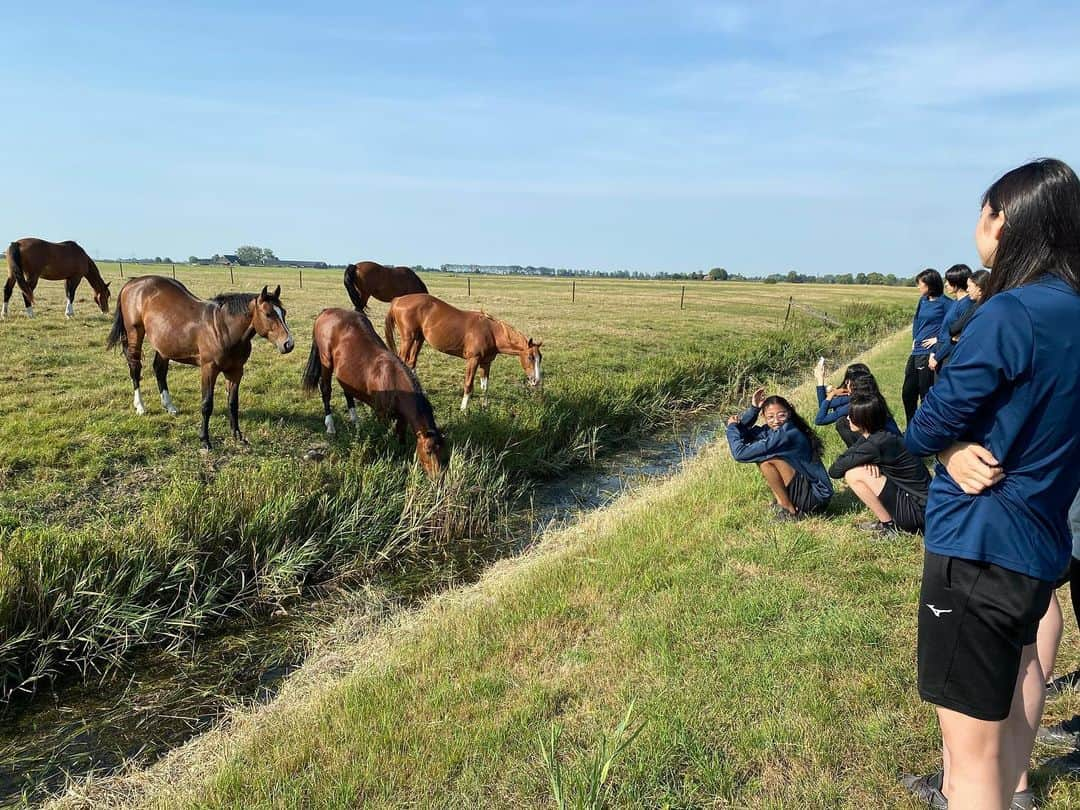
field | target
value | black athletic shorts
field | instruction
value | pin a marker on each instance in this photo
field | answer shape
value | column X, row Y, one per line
column 907, row 513
column 974, row 620
column 802, row 497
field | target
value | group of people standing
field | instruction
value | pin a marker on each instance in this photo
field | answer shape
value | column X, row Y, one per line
column 992, row 390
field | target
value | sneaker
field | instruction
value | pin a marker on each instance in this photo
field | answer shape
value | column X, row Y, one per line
column 868, row 526
column 1067, row 732
column 1068, row 765
column 884, row 531
column 1066, row 683
column 928, row 789
column 784, row 516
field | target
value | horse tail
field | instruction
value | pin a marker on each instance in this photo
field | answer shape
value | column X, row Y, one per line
column 14, row 257
column 350, row 287
column 388, row 324
column 118, row 335
column 313, row 372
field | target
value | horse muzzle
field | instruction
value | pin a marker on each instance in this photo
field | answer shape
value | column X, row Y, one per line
column 287, row 346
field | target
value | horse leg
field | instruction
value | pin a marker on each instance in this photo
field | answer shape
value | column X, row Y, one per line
column 161, row 372
column 9, row 285
column 32, row 282
column 484, row 369
column 134, row 359
column 414, row 350
column 350, row 401
column 326, row 380
column 470, row 374
column 232, row 388
column 399, row 429
column 209, row 378
column 69, row 287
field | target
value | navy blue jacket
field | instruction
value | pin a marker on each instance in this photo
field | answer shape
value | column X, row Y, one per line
column 1013, row 386
column 944, row 346
column 761, row 443
column 837, row 408
column 927, row 322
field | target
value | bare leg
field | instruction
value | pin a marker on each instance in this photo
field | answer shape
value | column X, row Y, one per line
column 868, row 489
column 988, row 760
column 778, row 475
column 1050, row 629
column 470, row 374
column 161, row 372
column 209, row 379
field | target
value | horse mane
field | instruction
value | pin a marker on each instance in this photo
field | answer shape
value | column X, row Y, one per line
column 234, row 303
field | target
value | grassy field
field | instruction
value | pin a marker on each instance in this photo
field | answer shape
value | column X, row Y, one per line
column 115, row 531
column 773, row 665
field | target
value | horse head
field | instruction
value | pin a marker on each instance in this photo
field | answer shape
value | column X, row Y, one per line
column 101, row 298
column 531, row 359
column 268, row 320
column 432, row 451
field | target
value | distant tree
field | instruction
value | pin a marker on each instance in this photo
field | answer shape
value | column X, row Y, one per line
column 157, row 260
column 793, row 277
column 193, row 259
column 249, row 254
column 268, row 256
column 718, row 274
column 216, row 257
column 861, row 278
column 167, row 260
column 845, row 278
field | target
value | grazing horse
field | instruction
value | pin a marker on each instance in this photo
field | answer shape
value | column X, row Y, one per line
column 30, row 260
column 345, row 345
column 214, row 335
column 475, row 336
column 366, row 279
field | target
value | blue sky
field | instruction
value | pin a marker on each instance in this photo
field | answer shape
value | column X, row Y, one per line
column 762, row 137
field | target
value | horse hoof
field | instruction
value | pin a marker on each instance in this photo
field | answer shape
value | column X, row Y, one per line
column 172, row 411
column 140, row 411
column 205, row 449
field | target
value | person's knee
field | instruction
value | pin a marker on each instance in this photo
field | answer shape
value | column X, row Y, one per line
column 855, row 475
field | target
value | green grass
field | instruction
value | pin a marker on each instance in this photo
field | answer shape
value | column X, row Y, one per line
column 116, row 532
column 773, row 665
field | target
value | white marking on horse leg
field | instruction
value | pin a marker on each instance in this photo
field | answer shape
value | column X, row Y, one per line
column 29, row 312
column 166, row 400
column 329, row 422
column 3, row 314
column 352, row 415
column 69, row 310
column 139, row 407
column 483, row 384
column 465, row 402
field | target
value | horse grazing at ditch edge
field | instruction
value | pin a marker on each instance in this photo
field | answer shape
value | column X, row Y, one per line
column 30, row 260
column 475, row 336
column 345, row 345
column 214, row 335
column 365, row 280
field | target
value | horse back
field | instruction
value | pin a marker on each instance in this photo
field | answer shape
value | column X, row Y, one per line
column 52, row 261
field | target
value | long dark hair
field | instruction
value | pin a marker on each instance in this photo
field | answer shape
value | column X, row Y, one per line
column 980, row 277
column 935, row 287
column 854, row 371
column 868, row 412
column 817, row 449
column 958, row 276
column 1041, row 234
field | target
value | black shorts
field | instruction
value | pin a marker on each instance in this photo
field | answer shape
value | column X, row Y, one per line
column 907, row 513
column 802, row 497
column 975, row 618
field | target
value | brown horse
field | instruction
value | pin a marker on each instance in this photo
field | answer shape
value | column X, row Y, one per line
column 32, row 259
column 346, row 346
column 475, row 336
column 364, row 280
column 214, row 335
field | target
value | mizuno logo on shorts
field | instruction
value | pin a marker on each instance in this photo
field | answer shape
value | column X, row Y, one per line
column 938, row 611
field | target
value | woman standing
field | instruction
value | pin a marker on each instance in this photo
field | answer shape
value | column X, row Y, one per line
column 956, row 279
column 925, row 326
column 1002, row 419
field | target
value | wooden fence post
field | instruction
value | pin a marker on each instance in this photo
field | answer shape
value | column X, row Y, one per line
column 121, row 269
column 174, row 271
column 573, row 291
column 301, row 279
column 682, row 296
column 468, row 280
column 788, row 313
column 231, row 279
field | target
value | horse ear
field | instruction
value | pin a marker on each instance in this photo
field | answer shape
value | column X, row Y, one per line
column 539, row 343
column 263, row 294
column 531, row 343
column 108, row 284
column 277, row 292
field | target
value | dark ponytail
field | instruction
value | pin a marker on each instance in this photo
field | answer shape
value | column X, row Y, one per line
column 817, row 449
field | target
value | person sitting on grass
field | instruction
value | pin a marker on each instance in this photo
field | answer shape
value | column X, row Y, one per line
column 833, row 405
column 786, row 451
column 881, row 472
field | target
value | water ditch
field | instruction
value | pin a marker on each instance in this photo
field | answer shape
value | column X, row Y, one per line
column 164, row 699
